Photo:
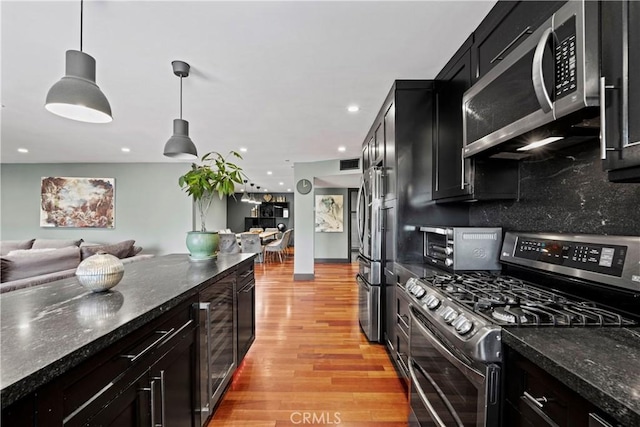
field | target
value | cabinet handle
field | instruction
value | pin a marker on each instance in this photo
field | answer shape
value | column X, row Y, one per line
column 603, row 119
column 249, row 288
column 153, row 402
column 247, row 274
column 538, row 401
column 162, row 400
column 134, row 357
column 462, row 183
column 518, row 37
column 206, row 307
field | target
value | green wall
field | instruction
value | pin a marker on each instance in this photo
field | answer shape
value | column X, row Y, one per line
column 150, row 207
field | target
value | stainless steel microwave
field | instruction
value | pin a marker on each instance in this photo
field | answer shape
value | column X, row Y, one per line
column 551, row 75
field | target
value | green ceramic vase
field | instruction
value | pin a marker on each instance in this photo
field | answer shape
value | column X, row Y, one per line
column 202, row 245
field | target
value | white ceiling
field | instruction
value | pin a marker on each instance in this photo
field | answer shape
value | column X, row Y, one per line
column 273, row 77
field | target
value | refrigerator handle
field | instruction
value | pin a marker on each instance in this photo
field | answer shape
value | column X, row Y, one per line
column 359, row 216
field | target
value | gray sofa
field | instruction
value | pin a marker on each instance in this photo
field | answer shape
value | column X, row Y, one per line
column 32, row 262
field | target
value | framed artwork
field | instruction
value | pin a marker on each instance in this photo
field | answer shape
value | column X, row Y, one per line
column 77, row 202
column 329, row 213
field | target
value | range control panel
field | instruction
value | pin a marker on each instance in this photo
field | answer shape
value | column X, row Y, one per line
column 606, row 259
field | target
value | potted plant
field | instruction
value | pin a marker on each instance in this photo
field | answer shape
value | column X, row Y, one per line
column 214, row 175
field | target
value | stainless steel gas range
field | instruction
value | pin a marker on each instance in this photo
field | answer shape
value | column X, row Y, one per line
column 456, row 318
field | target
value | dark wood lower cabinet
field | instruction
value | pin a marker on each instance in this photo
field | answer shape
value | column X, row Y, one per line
column 534, row 398
column 131, row 407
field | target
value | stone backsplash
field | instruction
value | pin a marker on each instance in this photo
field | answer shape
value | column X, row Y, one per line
column 567, row 192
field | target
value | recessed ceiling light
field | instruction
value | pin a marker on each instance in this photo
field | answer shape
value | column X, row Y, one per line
column 125, row 149
column 265, row 190
column 353, row 108
column 281, row 183
column 242, row 149
column 269, row 173
column 288, row 189
column 22, row 150
column 342, row 149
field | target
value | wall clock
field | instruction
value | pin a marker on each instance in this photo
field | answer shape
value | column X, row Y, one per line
column 303, row 186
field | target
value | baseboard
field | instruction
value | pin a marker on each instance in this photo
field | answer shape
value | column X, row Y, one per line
column 297, row 277
column 332, row 260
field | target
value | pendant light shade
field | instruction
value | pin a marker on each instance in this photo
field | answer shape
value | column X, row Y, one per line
column 180, row 146
column 77, row 96
column 245, row 196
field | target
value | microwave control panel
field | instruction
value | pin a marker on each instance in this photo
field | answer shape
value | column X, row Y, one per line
column 605, row 259
column 565, row 58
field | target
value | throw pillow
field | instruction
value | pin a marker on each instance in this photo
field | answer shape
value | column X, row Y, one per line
column 30, row 251
column 35, row 263
column 7, row 246
column 55, row 243
column 120, row 250
column 135, row 250
column 5, row 266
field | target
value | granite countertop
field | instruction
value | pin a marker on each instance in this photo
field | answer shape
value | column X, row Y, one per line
column 46, row 330
column 600, row 364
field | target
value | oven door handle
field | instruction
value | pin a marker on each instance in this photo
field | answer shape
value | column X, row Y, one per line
column 473, row 375
column 423, row 397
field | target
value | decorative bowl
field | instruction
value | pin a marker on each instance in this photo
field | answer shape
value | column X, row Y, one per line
column 100, row 272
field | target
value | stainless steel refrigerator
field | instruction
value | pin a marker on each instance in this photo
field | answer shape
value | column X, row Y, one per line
column 369, row 214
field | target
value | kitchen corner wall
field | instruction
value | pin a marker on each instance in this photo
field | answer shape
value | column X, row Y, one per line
column 569, row 193
column 150, row 207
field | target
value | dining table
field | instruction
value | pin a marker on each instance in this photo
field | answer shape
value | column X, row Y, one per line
column 265, row 236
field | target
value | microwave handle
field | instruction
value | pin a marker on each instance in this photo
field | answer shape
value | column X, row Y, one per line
column 537, row 73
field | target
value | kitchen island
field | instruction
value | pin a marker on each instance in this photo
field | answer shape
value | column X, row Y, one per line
column 51, row 330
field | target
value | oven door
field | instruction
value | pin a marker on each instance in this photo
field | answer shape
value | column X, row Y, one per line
column 446, row 390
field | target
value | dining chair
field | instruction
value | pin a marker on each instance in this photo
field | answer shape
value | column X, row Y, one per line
column 279, row 246
column 228, row 243
column 250, row 243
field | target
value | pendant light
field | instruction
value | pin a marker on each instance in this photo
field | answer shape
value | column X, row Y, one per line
column 77, row 96
column 251, row 198
column 180, row 146
column 245, row 196
column 258, row 200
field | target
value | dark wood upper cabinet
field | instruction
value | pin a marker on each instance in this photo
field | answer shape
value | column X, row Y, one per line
column 454, row 177
column 620, row 69
column 507, row 25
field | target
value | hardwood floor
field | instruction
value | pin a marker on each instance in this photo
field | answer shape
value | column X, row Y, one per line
column 310, row 364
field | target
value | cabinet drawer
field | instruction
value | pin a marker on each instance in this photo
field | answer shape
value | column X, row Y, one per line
column 402, row 315
column 402, row 353
column 95, row 382
column 245, row 274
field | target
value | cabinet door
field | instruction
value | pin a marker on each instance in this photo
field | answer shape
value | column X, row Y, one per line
column 246, row 323
column 390, row 310
column 451, row 172
column 173, row 386
column 131, row 408
column 390, row 153
column 378, row 145
column 621, row 92
column 507, row 25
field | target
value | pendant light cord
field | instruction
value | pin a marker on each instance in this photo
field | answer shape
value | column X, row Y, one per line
column 180, row 97
column 81, row 19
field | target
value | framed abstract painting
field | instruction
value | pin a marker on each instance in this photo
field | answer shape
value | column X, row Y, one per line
column 77, row 202
column 329, row 213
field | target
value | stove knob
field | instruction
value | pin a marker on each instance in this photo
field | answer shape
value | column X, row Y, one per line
column 420, row 292
column 432, row 302
column 463, row 325
column 448, row 262
column 448, row 250
column 450, row 315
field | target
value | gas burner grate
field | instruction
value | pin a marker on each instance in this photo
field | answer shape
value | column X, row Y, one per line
column 509, row 301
